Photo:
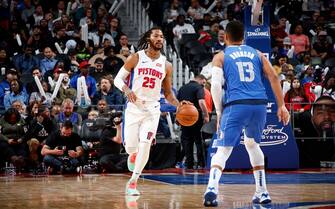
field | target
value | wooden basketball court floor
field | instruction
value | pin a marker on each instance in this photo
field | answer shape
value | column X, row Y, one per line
column 168, row 189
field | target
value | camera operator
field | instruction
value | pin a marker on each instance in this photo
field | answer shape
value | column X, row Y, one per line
column 62, row 150
column 111, row 160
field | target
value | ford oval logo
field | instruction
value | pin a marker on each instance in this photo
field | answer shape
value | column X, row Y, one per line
column 272, row 136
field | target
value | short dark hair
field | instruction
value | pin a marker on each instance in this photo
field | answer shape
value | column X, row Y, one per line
column 68, row 124
column 317, row 102
column 235, row 30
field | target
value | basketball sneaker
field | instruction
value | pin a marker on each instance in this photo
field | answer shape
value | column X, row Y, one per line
column 131, row 161
column 210, row 199
column 131, row 202
column 131, row 188
column 261, row 198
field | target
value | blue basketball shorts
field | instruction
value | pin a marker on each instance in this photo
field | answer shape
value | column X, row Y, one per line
column 237, row 117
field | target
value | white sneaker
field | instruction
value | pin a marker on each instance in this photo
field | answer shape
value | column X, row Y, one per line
column 261, row 198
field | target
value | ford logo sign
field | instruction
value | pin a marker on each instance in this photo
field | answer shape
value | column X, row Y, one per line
column 271, row 136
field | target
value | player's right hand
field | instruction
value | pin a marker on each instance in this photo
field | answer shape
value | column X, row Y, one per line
column 283, row 115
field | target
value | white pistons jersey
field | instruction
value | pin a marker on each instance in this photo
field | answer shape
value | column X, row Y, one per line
column 146, row 78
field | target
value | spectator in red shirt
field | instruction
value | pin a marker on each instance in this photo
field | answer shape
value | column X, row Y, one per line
column 299, row 40
column 296, row 99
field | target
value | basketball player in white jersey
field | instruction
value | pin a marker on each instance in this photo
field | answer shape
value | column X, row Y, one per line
column 147, row 72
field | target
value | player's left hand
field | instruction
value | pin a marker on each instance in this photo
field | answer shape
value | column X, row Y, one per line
column 131, row 96
column 283, row 115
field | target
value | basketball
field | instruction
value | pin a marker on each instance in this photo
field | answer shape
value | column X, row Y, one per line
column 187, row 115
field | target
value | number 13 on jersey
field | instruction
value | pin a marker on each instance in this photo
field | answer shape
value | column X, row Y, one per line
column 246, row 71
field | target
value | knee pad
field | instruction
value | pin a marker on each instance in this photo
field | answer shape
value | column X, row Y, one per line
column 221, row 156
column 130, row 150
column 255, row 153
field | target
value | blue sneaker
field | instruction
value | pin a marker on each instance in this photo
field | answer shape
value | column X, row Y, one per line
column 210, row 199
column 261, row 198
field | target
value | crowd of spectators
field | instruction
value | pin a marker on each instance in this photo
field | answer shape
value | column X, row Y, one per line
column 41, row 42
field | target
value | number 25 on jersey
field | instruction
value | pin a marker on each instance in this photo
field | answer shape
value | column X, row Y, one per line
column 149, row 82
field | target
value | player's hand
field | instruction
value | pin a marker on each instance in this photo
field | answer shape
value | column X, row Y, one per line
column 131, row 96
column 283, row 115
column 72, row 153
column 181, row 103
column 206, row 118
column 218, row 119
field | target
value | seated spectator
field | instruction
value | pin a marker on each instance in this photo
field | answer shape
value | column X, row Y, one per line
column 108, row 92
column 49, row 61
column 296, row 99
column 90, row 134
column 8, row 155
column 39, row 128
column 299, row 40
column 236, row 9
column 281, row 64
column 112, row 64
column 5, row 61
column 37, row 96
column 90, row 81
column 26, row 62
column 320, row 126
column 123, row 54
column 219, row 44
column 322, row 48
column 327, row 87
column 114, row 29
column 287, row 48
column 20, row 107
column 102, row 107
column 123, row 43
column 101, row 35
column 16, row 93
column 175, row 9
column 13, row 130
column 65, row 91
column 307, row 75
column 180, row 29
column 67, row 113
column 11, row 74
column 111, row 159
column 97, row 69
column 62, row 150
column 32, row 86
column 196, row 11
column 305, row 63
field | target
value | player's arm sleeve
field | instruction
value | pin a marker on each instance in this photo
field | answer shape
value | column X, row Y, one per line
column 124, row 72
column 120, row 78
column 216, row 88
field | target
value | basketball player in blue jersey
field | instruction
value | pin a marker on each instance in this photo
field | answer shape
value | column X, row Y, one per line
column 241, row 69
column 147, row 72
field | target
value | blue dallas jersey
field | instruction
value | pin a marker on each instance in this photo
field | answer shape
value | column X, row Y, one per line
column 243, row 74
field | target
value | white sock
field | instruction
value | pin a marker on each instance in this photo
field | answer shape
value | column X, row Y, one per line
column 141, row 160
column 257, row 161
column 214, row 178
column 217, row 165
column 260, row 181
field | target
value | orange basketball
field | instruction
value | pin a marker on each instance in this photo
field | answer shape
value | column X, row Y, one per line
column 187, row 115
